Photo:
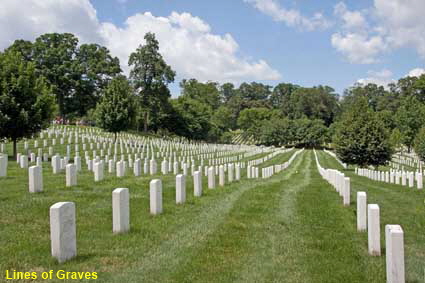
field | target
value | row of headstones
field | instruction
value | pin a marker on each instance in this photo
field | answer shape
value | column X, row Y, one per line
column 409, row 161
column 62, row 214
column 134, row 139
column 369, row 213
column 60, row 165
column 162, row 142
column 83, row 138
column 225, row 157
column 23, row 159
column 268, row 157
column 393, row 177
column 110, row 152
column 35, row 174
column 269, row 171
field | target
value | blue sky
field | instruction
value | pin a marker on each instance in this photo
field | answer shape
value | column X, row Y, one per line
column 306, row 42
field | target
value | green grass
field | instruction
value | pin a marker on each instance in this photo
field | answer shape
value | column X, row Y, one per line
column 398, row 205
column 291, row 227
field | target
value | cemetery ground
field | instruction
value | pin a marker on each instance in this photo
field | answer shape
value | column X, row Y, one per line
column 291, row 227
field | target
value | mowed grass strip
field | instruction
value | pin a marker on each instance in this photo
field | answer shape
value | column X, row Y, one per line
column 155, row 244
column 290, row 228
column 398, row 205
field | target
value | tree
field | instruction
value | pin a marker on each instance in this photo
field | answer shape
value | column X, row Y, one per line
column 24, row 47
column 396, row 139
column 227, row 91
column 77, row 74
column 115, row 111
column 250, row 119
column 254, row 91
column 204, row 92
column 420, row 144
column 194, row 118
column 409, row 119
column 93, row 69
column 54, row 55
column 313, row 103
column 281, row 95
column 277, row 131
column 377, row 97
column 362, row 139
column 222, row 119
column 149, row 75
column 26, row 103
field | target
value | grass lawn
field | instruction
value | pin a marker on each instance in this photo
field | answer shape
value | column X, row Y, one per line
column 398, row 205
column 291, row 227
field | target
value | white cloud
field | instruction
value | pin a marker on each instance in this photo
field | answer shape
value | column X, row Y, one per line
column 186, row 42
column 188, row 46
column 388, row 25
column 403, row 22
column 381, row 78
column 417, row 72
column 27, row 19
column 351, row 19
column 357, row 47
column 290, row 17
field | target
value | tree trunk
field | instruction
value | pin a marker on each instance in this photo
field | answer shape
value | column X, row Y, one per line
column 14, row 148
column 115, row 137
column 145, row 126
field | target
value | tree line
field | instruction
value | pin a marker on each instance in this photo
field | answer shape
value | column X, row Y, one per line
column 55, row 76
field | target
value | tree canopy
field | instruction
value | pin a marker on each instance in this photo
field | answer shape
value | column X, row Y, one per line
column 116, row 110
column 149, row 76
column 26, row 102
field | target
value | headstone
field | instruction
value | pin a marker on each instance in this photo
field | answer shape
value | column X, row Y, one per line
column 180, row 189
column 394, row 243
column 3, row 165
column 24, row 162
column 230, row 172
column 211, row 178
column 164, row 167
column 111, row 166
column 120, row 169
column 403, row 179
column 137, row 167
column 63, row 231
column 197, row 184
column 176, row 168
column 152, row 167
column 361, row 211
column 419, row 181
column 238, row 172
column 346, row 193
column 221, row 176
column 411, row 179
column 155, row 191
column 39, row 161
column 120, row 210
column 35, row 174
column 98, row 171
column 373, row 230
column 71, row 175
column 77, row 162
column 56, row 164
column 145, row 167
column 185, row 169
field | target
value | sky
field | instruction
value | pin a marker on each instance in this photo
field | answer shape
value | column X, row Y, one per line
column 305, row 42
